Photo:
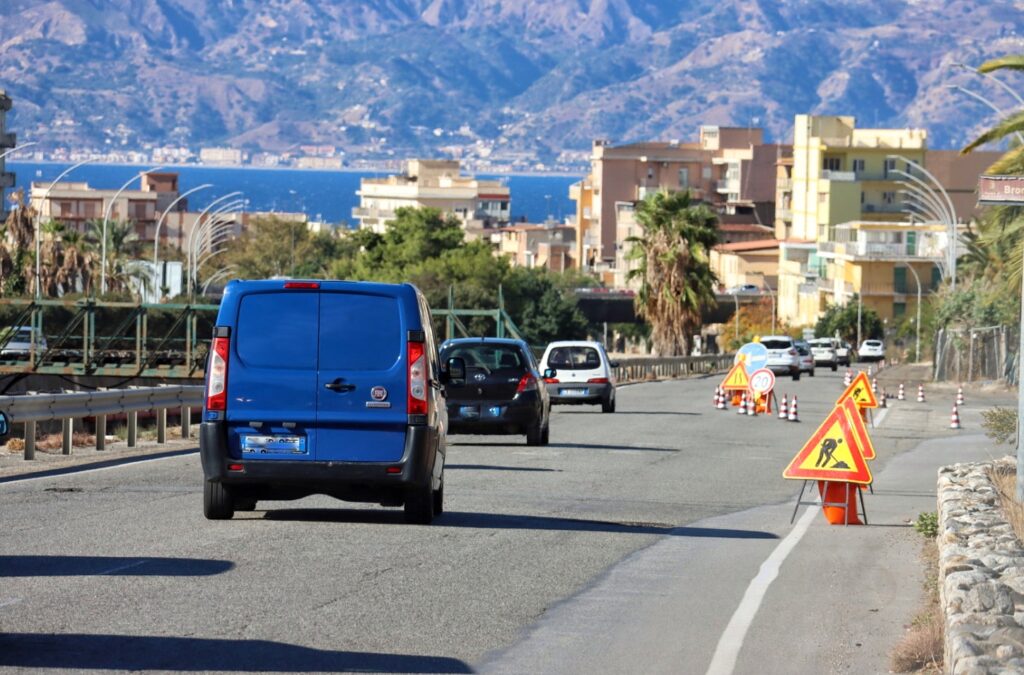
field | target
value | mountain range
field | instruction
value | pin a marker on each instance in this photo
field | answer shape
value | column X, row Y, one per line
column 492, row 78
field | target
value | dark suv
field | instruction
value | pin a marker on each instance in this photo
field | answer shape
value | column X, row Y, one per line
column 502, row 393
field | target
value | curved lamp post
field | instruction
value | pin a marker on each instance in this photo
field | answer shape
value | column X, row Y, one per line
column 5, row 153
column 46, row 196
column 978, row 97
column 159, row 223
column 216, row 276
column 221, row 231
column 106, row 217
column 951, row 211
column 214, row 224
column 199, row 226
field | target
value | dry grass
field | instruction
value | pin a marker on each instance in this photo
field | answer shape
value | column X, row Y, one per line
column 920, row 649
column 1004, row 477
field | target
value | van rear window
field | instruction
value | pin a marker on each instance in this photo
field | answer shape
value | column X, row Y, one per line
column 277, row 330
column 359, row 331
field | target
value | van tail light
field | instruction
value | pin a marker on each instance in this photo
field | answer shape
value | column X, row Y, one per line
column 417, row 379
column 217, row 378
column 598, row 380
column 307, row 285
column 527, row 383
column 551, row 380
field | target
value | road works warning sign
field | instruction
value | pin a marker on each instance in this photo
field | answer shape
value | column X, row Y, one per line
column 861, row 392
column 737, row 379
column 836, row 451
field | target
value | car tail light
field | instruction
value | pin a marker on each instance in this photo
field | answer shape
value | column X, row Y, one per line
column 527, row 383
column 550, row 380
column 311, row 285
column 792, row 352
column 598, row 380
column 217, row 378
column 417, row 379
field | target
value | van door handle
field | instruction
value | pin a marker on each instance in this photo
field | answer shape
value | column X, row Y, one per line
column 338, row 385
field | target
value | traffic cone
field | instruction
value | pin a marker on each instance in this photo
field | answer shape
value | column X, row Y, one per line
column 848, row 378
column 783, row 408
column 717, row 397
column 871, row 371
column 874, row 386
column 900, row 396
column 954, row 419
column 960, row 396
column 881, row 399
column 792, row 411
column 743, row 405
column 723, row 401
column 752, row 405
column 920, row 393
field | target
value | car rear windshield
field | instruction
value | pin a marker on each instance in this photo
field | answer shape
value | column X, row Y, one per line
column 872, row 343
column 574, row 358
column 487, row 356
column 278, row 330
column 777, row 344
column 821, row 343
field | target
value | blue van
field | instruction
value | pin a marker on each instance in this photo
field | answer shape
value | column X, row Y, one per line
column 324, row 387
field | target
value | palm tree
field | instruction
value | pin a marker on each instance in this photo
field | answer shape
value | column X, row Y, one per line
column 122, row 244
column 674, row 269
column 17, row 266
column 1013, row 161
column 77, row 266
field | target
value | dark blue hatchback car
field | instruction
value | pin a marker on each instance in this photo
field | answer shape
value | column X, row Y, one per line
column 324, row 387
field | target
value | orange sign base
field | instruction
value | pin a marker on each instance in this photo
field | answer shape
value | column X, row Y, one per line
column 833, row 497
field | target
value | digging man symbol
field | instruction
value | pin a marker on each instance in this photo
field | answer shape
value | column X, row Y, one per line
column 828, row 447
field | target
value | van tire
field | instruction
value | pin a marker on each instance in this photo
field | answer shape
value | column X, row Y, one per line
column 218, row 504
column 419, row 506
column 535, row 434
column 245, row 503
column 835, row 367
column 545, row 436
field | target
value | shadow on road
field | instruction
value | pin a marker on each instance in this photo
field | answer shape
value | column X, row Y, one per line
column 488, row 467
column 505, row 521
column 580, row 446
column 633, row 412
column 131, row 652
column 92, row 466
column 84, row 565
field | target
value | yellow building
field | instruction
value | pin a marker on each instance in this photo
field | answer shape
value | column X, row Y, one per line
column 844, row 182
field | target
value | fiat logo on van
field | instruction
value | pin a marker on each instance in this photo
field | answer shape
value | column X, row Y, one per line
column 378, row 393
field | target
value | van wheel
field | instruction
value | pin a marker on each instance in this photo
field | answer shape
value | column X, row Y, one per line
column 439, row 500
column 419, row 506
column 535, row 434
column 545, row 436
column 217, row 501
column 608, row 405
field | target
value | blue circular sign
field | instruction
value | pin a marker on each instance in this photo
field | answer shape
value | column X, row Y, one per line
column 753, row 355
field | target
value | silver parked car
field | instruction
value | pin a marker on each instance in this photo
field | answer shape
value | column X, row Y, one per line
column 783, row 357
column 826, row 352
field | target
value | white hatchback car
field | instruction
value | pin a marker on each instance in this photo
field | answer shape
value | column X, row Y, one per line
column 871, row 350
column 583, row 373
column 20, row 343
column 826, row 352
column 783, row 358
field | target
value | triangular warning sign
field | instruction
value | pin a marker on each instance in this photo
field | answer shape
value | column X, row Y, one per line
column 859, row 429
column 834, row 453
column 737, row 379
column 861, row 392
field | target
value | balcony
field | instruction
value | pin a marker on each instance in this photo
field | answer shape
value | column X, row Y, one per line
column 784, row 214
column 363, row 212
column 843, row 176
column 881, row 208
column 894, row 244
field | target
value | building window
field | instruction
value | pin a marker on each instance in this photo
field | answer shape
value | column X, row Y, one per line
column 890, row 165
column 706, row 173
column 899, row 309
column 832, row 163
column 66, row 209
column 936, row 278
column 862, row 197
column 858, row 166
column 823, row 198
column 684, row 177
column 650, row 173
column 899, row 280
column 889, row 197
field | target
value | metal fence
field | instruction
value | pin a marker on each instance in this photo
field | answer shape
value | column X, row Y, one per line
column 66, row 407
column 643, row 368
column 971, row 354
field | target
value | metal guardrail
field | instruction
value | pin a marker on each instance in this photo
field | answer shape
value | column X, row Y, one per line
column 34, row 408
column 647, row 368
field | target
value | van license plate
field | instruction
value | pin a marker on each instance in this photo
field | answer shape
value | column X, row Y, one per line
column 264, row 445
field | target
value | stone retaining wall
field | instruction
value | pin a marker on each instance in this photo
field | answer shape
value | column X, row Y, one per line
column 981, row 574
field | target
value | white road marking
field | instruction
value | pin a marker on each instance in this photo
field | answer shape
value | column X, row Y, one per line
column 724, row 660
column 881, row 416
column 6, row 602
column 102, row 468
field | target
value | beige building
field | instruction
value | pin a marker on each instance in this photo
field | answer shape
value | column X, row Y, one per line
column 549, row 245
column 747, row 262
column 478, row 204
column 221, row 156
column 7, row 142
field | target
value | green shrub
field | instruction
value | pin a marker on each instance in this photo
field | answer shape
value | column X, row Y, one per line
column 928, row 524
column 1000, row 424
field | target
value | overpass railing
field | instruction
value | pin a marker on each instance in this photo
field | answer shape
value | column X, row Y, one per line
column 66, row 407
column 643, row 368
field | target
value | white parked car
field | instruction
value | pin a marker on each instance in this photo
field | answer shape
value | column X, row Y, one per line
column 583, row 373
column 20, row 343
column 871, row 350
column 783, row 358
column 826, row 352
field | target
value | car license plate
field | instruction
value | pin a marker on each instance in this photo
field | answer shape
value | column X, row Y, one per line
column 573, row 392
column 265, row 445
column 469, row 411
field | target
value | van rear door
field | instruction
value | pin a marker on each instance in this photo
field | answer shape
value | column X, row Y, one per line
column 362, row 382
column 271, row 407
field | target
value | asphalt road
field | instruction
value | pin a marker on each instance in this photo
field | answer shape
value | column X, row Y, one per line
column 628, row 544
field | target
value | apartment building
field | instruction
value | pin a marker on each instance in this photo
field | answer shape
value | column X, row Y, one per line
column 478, row 204
column 221, row 156
column 7, row 142
column 731, row 169
column 549, row 245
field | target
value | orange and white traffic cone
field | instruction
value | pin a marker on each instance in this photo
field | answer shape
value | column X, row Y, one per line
column 723, row 400
column 717, row 398
column 920, row 393
column 900, row 396
column 848, row 378
column 874, row 386
column 960, row 396
column 871, row 371
column 954, row 419
column 752, row 405
column 783, row 408
column 792, row 411
column 881, row 399
column 743, row 405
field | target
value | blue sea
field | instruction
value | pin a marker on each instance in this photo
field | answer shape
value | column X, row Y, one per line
column 323, row 195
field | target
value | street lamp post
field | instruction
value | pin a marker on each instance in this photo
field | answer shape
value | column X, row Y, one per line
column 950, row 210
column 917, row 345
column 46, row 196
column 209, row 230
column 195, row 228
column 159, row 223
column 978, row 97
column 5, row 153
column 106, row 217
